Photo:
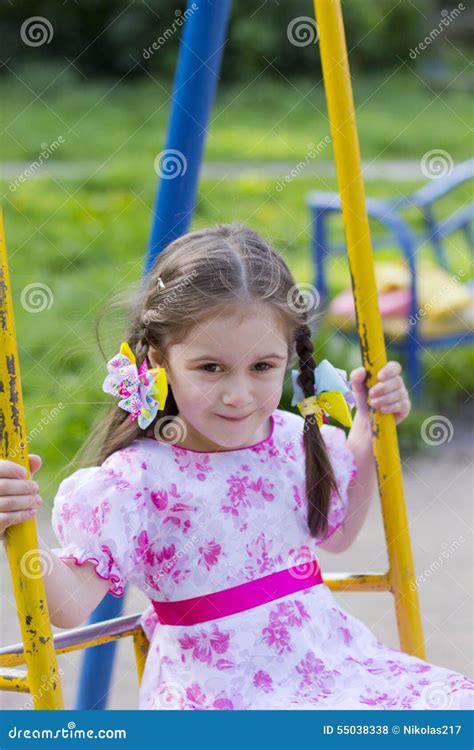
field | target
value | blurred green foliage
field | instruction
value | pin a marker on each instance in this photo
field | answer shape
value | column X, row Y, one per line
column 108, row 38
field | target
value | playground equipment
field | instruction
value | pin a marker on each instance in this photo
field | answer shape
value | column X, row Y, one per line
column 197, row 71
column 389, row 215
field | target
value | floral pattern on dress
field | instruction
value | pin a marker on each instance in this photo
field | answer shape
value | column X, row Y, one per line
column 286, row 615
column 178, row 524
column 208, row 645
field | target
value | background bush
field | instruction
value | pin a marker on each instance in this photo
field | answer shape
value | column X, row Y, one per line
column 108, row 38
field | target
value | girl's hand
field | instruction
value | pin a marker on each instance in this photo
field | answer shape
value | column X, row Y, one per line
column 19, row 500
column 389, row 395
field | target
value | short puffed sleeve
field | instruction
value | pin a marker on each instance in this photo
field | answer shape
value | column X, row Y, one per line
column 344, row 468
column 97, row 515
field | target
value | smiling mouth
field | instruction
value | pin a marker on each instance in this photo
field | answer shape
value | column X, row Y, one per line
column 234, row 419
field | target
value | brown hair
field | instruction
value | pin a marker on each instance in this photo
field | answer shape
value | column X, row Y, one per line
column 205, row 272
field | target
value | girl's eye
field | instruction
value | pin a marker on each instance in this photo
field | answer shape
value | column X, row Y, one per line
column 214, row 364
column 267, row 365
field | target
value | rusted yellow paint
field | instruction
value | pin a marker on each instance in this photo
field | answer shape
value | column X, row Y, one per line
column 37, row 650
column 337, row 83
column 141, row 645
column 17, row 655
column 21, row 539
column 14, row 680
column 358, row 581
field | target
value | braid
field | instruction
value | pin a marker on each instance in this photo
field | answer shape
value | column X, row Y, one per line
column 304, row 350
column 320, row 479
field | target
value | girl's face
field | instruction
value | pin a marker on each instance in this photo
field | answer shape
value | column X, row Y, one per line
column 230, row 366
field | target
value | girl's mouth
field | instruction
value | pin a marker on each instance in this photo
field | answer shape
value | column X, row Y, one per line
column 234, row 419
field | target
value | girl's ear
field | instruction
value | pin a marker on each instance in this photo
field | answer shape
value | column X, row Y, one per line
column 153, row 357
column 156, row 360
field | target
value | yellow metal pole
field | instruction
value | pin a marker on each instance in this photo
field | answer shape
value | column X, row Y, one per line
column 337, row 83
column 141, row 646
column 21, row 539
column 14, row 680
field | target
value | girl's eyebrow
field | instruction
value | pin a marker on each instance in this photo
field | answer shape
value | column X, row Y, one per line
column 216, row 359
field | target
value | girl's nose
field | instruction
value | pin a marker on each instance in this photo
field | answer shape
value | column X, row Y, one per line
column 238, row 395
column 236, row 390
column 238, row 399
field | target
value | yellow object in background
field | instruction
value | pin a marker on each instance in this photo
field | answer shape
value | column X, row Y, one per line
column 391, row 275
column 445, row 303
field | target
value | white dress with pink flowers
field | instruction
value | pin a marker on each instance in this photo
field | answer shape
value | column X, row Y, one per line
column 180, row 523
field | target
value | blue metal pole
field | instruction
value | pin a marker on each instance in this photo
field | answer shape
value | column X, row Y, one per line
column 194, row 90
column 98, row 662
column 178, row 166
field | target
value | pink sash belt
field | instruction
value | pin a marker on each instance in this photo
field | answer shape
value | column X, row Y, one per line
column 239, row 598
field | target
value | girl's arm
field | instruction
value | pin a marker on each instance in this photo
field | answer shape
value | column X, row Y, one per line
column 361, row 489
column 389, row 395
column 72, row 591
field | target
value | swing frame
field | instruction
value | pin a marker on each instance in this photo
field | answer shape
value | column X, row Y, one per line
column 39, row 649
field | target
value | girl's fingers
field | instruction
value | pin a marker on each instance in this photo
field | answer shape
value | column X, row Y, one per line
column 18, row 487
column 11, row 519
column 35, row 463
column 380, row 389
column 389, row 370
column 11, row 469
column 401, row 408
column 17, row 503
column 390, row 399
column 398, row 408
column 359, row 374
column 404, row 411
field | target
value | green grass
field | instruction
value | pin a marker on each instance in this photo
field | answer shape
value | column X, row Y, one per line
column 86, row 239
column 398, row 117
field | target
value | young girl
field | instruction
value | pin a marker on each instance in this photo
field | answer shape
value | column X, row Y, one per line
column 213, row 501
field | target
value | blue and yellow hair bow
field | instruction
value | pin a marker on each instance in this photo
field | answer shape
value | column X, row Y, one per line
column 332, row 394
